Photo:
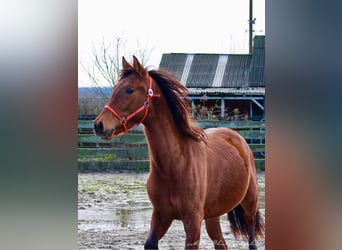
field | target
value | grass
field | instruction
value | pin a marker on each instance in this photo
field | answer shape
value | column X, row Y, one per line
column 102, row 158
column 111, row 186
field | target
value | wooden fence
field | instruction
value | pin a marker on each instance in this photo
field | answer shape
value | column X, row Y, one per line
column 129, row 152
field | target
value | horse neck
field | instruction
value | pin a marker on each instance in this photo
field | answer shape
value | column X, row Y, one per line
column 164, row 139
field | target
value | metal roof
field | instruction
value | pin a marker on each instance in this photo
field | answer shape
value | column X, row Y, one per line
column 233, row 91
column 257, row 69
column 219, row 72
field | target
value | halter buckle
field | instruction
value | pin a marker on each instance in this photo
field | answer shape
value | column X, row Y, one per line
column 123, row 120
column 150, row 92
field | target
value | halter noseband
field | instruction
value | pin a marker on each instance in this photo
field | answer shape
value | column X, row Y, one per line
column 124, row 119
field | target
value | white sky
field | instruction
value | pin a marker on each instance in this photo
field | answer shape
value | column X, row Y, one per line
column 184, row 26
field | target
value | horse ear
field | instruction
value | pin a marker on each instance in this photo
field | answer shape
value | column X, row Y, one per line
column 139, row 68
column 125, row 64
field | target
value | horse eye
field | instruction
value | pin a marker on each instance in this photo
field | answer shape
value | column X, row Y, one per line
column 129, row 90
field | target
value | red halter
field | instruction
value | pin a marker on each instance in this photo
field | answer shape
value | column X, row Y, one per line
column 124, row 119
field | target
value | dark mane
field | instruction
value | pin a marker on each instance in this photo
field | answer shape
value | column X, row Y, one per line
column 126, row 72
column 177, row 98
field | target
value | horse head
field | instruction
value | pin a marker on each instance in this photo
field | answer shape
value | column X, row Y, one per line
column 129, row 102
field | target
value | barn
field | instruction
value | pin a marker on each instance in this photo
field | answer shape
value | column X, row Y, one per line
column 222, row 86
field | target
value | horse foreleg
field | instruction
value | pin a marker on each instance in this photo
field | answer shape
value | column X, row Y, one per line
column 192, row 227
column 214, row 231
column 159, row 226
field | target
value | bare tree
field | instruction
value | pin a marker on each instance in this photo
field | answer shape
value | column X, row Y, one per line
column 105, row 67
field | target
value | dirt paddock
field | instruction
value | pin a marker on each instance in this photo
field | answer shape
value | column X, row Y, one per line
column 114, row 212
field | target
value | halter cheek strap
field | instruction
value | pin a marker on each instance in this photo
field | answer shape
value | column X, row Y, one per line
column 124, row 119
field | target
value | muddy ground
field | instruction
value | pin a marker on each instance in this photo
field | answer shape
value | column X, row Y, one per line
column 114, row 213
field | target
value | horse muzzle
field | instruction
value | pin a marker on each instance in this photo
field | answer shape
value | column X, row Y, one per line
column 101, row 132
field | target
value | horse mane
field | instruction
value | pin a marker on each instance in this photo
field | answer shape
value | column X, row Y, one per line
column 176, row 96
column 126, row 72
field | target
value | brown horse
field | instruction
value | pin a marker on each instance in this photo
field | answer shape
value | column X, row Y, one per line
column 195, row 174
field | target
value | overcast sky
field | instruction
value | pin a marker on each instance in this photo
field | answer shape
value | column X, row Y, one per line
column 184, row 26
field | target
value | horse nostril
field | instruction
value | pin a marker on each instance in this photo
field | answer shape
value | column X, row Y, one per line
column 98, row 128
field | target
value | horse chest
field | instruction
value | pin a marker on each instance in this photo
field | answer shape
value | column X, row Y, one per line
column 166, row 197
column 177, row 205
column 169, row 200
column 173, row 199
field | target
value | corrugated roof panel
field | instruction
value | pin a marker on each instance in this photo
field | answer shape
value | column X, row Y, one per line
column 236, row 71
column 257, row 69
column 202, row 71
column 187, row 67
column 221, row 65
column 174, row 62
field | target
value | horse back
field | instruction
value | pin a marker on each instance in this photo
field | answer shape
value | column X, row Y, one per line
column 226, row 136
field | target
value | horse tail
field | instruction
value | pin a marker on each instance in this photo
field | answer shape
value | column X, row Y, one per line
column 239, row 225
column 259, row 226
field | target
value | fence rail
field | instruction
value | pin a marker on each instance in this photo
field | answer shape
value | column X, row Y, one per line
column 130, row 152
